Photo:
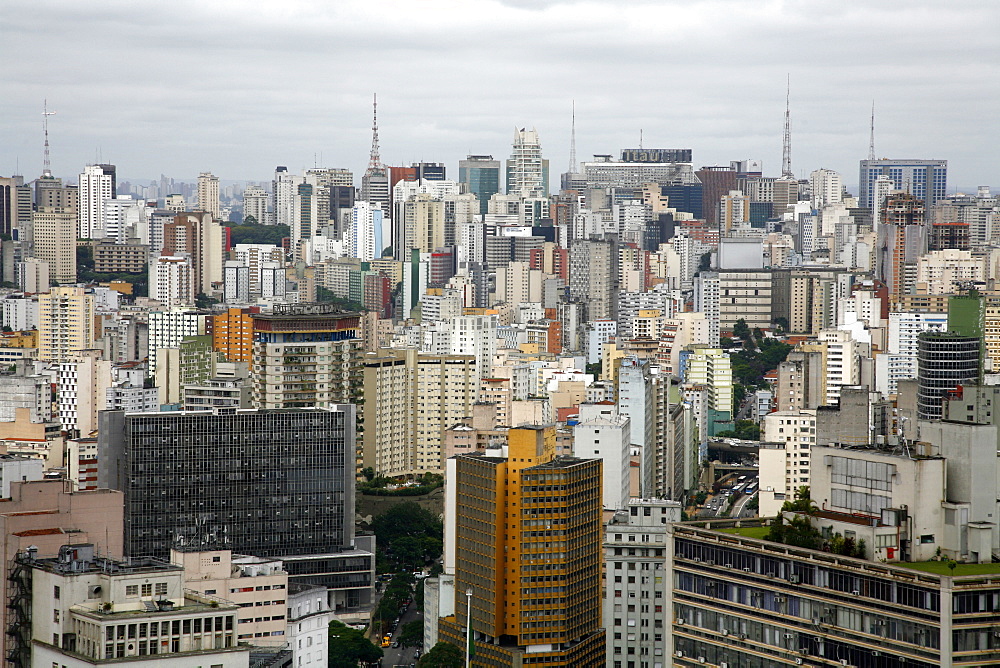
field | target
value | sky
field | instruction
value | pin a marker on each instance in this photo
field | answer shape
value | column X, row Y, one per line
column 237, row 88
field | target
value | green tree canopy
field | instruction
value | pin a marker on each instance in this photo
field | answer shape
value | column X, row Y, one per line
column 410, row 535
column 349, row 647
column 257, row 234
column 442, row 655
column 412, row 633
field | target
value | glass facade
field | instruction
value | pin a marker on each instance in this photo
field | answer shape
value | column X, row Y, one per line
column 267, row 483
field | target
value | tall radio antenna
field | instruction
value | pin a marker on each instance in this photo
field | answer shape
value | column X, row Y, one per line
column 786, row 144
column 374, row 161
column 46, row 165
column 572, row 143
column 871, row 141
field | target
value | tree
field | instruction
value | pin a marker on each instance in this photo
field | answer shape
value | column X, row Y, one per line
column 349, row 647
column 327, row 295
column 705, row 262
column 442, row 655
column 410, row 534
column 250, row 220
column 412, row 633
column 369, row 473
column 258, row 234
column 741, row 330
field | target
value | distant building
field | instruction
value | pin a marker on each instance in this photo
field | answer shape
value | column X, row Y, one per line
column 480, row 175
column 924, row 179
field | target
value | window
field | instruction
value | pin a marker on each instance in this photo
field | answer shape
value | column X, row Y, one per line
column 147, row 589
column 55, row 616
column 131, row 591
column 55, row 592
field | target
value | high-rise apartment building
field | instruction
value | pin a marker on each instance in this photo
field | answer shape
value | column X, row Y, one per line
column 209, row 491
column 410, row 399
column 255, row 204
column 593, row 274
column 826, row 187
column 902, row 239
column 199, row 237
column 306, row 355
column 480, row 175
column 363, row 235
column 97, row 184
column 54, row 231
column 523, row 541
column 926, row 180
column 171, row 281
column 945, row 360
column 65, row 323
column 283, row 192
column 208, row 194
column 527, row 171
column 635, row 589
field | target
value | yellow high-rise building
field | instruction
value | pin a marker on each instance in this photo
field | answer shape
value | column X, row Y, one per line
column 65, row 323
column 523, row 535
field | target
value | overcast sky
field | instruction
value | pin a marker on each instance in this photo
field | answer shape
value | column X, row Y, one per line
column 239, row 87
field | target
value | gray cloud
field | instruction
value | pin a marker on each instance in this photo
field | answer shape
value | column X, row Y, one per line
column 237, row 88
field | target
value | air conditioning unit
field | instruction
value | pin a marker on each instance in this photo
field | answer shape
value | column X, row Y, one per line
column 723, row 665
column 798, row 661
column 779, row 599
column 680, row 621
column 875, row 652
column 725, row 633
column 743, row 636
column 710, row 562
column 679, row 653
column 770, row 574
column 729, row 565
column 856, row 593
column 789, row 636
column 746, row 570
column 701, row 659
column 844, row 662
column 795, row 578
column 94, row 591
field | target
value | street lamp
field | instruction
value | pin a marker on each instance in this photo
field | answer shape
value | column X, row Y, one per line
column 468, row 628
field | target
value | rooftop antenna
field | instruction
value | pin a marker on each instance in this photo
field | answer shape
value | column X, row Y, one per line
column 572, row 143
column 640, row 139
column 46, row 164
column 871, row 140
column 786, row 144
column 375, row 166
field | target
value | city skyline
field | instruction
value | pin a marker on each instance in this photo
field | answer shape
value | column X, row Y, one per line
column 252, row 111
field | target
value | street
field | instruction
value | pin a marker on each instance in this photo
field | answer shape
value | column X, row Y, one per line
column 401, row 656
column 740, row 505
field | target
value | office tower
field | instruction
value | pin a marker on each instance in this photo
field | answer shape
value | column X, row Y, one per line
column 40, row 515
column 925, row 180
column 826, row 187
column 97, row 184
column 306, row 211
column 283, row 191
column 786, row 195
column 65, row 323
column 734, row 210
column 15, row 203
column 54, row 228
column 480, row 175
column 171, row 280
column 255, row 205
column 199, row 237
column 210, row 499
column 527, row 171
column 945, row 360
column 593, row 272
column 715, row 182
column 901, row 242
column 208, row 194
column 429, row 171
column 634, row 546
column 501, row 501
column 410, row 399
column 306, row 355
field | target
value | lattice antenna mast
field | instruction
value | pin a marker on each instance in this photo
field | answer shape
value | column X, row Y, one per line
column 46, row 164
column 572, row 143
column 786, row 144
column 871, row 141
column 374, row 161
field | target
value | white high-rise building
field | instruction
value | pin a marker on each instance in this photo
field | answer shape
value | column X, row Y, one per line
column 171, row 281
column 285, row 188
column 208, row 194
column 254, row 256
column 255, row 204
column 363, row 237
column 827, row 187
column 527, row 172
column 602, row 433
column 124, row 218
column 97, row 185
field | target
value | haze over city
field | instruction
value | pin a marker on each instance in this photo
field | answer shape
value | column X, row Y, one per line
column 182, row 87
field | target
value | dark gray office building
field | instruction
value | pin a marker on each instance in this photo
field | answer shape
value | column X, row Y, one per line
column 271, row 483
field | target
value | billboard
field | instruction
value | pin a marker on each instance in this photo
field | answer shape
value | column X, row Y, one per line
column 656, row 155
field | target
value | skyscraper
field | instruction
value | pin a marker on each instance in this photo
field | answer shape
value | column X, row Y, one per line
column 208, row 194
column 527, row 171
column 523, row 540
column 284, row 188
column 481, row 176
column 53, row 233
column 97, row 184
column 65, row 323
column 363, row 236
column 924, row 179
